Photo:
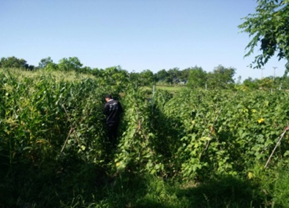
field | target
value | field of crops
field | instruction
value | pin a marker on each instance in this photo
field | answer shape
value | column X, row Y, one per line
column 192, row 148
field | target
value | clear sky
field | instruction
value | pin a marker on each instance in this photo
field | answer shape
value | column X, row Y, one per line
column 134, row 34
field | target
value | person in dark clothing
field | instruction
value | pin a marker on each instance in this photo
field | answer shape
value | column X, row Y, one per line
column 112, row 110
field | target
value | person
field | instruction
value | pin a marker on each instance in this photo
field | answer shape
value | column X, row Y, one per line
column 112, row 110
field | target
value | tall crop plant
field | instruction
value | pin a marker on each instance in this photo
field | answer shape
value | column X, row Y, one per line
column 137, row 152
column 50, row 128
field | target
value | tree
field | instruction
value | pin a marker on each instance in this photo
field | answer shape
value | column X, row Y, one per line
column 44, row 62
column 269, row 28
column 197, row 77
column 147, row 77
column 86, row 70
column 134, row 77
column 172, row 77
column 250, row 83
column 115, row 75
column 144, row 78
column 221, row 77
column 13, row 62
column 72, row 63
column 184, row 74
column 161, row 75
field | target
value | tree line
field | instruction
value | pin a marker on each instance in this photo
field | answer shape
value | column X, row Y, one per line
column 194, row 77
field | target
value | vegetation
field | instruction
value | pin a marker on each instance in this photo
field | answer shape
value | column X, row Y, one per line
column 193, row 77
column 193, row 148
column 198, row 139
column 270, row 31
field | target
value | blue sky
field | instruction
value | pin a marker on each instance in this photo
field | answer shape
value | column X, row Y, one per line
column 134, row 34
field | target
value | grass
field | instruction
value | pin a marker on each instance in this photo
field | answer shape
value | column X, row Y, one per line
column 92, row 187
column 172, row 88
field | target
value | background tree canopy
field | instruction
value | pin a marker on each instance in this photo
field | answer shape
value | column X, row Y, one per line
column 269, row 30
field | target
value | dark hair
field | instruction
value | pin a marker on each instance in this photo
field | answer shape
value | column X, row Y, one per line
column 108, row 96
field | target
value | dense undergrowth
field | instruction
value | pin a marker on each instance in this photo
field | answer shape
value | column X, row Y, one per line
column 195, row 148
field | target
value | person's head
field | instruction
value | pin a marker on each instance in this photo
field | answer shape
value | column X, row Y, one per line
column 108, row 97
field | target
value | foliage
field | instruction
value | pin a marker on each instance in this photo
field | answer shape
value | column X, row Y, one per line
column 137, row 150
column 193, row 148
column 269, row 30
column 161, row 75
column 281, row 191
column 44, row 62
column 197, row 78
column 251, row 84
column 144, row 78
column 221, row 78
column 49, row 127
column 221, row 132
column 194, row 77
column 13, row 62
column 71, row 63
column 147, row 77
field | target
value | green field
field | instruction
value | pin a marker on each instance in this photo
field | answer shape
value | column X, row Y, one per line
column 173, row 89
